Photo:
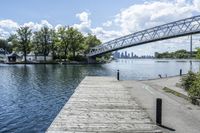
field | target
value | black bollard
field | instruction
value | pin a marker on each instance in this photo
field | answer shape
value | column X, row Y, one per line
column 180, row 72
column 159, row 111
column 117, row 74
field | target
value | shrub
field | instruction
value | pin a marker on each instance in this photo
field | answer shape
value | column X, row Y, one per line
column 188, row 80
column 194, row 90
column 78, row 58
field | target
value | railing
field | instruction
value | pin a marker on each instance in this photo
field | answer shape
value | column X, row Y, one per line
column 170, row 30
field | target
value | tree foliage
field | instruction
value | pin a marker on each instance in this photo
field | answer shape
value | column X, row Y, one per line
column 76, row 40
column 63, row 37
column 13, row 43
column 24, row 39
column 187, row 80
column 91, row 41
column 198, row 53
column 64, row 43
column 5, row 45
column 180, row 54
column 191, row 83
column 42, row 41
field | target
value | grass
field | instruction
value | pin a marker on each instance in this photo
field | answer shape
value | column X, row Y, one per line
column 179, row 85
column 168, row 90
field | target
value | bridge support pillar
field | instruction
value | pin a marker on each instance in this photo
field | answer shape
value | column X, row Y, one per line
column 91, row 60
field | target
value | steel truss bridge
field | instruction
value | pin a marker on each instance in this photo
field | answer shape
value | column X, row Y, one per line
column 175, row 29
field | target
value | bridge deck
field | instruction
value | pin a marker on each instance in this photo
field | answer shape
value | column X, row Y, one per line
column 101, row 104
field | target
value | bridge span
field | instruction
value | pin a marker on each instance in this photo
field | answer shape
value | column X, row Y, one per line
column 174, row 29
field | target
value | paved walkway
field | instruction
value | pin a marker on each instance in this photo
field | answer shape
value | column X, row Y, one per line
column 101, row 104
column 178, row 113
column 169, row 82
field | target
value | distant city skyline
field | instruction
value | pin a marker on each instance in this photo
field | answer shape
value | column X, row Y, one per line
column 129, row 55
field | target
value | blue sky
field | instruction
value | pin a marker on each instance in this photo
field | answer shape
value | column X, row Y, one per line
column 107, row 19
column 61, row 11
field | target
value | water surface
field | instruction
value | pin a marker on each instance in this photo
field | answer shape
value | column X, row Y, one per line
column 32, row 95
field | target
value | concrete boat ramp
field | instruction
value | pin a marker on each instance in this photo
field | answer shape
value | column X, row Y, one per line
column 101, row 104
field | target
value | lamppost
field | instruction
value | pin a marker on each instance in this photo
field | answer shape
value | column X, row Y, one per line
column 190, row 52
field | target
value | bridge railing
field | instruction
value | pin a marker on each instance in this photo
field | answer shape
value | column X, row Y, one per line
column 170, row 30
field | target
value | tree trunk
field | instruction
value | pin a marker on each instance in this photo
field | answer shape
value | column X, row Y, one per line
column 53, row 53
column 45, row 55
column 25, row 55
column 74, row 54
column 65, row 54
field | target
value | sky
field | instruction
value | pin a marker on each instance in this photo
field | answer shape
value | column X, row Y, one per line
column 107, row 19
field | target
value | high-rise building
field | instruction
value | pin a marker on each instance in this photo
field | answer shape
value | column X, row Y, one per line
column 132, row 55
column 126, row 54
column 122, row 55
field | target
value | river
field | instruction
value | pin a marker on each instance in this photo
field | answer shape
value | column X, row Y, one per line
column 32, row 95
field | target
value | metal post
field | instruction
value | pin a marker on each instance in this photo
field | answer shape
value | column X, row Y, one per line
column 191, row 46
column 180, row 72
column 190, row 52
column 159, row 111
column 117, row 74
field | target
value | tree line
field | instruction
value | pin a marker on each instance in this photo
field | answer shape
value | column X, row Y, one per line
column 179, row 54
column 65, row 43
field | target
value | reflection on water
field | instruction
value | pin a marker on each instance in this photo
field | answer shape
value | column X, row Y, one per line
column 32, row 95
column 140, row 69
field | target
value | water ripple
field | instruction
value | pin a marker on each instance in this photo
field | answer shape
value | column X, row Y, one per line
column 32, row 95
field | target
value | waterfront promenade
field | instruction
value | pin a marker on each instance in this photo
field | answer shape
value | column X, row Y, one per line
column 178, row 114
column 102, row 104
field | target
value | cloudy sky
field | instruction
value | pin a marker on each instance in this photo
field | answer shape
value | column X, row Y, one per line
column 107, row 19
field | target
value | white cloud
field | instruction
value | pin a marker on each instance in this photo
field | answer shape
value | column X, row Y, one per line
column 3, row 34
column 85, row 22
column 57, row 27
column 8, row 24
column 105, row 35
column 149, row 14
column 107, row 23
column 84, row 16
column 85, row 26
column 38, row 26
column 7, row 27
column 196, row 4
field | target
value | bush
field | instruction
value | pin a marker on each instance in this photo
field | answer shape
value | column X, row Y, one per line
column 78, row 58
column 191, row 83
column 188, row 80
column 194, row 90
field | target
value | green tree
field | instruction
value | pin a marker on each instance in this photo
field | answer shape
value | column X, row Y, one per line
column 90, row 41
column 198, row 53
column 24, row 39
column 55, row 43
column 4, row 44
column 76, row 40
column 43, row 40
column 63, row 38
column 13, row 43
column 181, row 54
column 36, row 46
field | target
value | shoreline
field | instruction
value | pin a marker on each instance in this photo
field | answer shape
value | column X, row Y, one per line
column 51, row 63
column 163, row 78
